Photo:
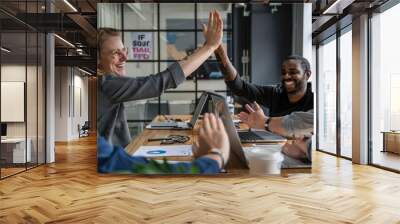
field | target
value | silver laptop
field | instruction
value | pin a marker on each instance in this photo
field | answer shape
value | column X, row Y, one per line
column 181, row 125
column 237, row 159
column 260, row 136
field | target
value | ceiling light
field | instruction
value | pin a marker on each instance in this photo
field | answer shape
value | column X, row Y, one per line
column 64, row 40
column 5, row 50
column 70, row 5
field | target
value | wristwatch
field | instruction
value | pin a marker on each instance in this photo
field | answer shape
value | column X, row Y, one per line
column 219, row 153
column 266, row 125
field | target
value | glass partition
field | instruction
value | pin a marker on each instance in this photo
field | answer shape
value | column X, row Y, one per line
column 14, row 152
column 22, row 77
column 177, row 16
column 41, row 96
column 346, row 94
column 385, row 89
column 32, row 98
column 327, row 97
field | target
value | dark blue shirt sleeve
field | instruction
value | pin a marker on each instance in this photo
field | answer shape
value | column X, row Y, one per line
column 203, row 165
column 114, row 159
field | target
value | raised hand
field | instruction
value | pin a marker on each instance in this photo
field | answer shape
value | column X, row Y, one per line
column 213, row 35
column 255, row 117
column 213, row 32
column 212, row 136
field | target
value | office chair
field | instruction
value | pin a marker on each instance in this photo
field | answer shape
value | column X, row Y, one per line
column 84, row 130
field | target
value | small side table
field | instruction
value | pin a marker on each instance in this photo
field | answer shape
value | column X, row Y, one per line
column 391, row 141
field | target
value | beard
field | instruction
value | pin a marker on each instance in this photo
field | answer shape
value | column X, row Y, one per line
column 298, row 86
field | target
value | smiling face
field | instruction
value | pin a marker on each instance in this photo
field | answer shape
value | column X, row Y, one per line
column 113, row 56
column 294, row 78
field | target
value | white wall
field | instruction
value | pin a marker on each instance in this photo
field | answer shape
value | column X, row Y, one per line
column 14, row 73
column 33, row 126
column 79, row 117
column 106, row 15
column 302, row 30
column 61, row 103
column 71, row 93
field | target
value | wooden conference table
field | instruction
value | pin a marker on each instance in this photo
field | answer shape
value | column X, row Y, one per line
column 142, row 139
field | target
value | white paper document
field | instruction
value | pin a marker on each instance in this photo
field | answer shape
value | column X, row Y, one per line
column 161, row 151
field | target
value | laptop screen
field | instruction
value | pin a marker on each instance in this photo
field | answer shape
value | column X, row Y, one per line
column 199, row 108
column 237, row 158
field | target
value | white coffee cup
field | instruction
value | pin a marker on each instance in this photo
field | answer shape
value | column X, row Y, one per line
column 266, row 159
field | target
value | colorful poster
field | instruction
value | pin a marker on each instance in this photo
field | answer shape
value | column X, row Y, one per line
column 142, row 45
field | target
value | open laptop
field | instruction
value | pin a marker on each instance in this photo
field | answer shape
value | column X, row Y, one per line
column 260, row 136
column 181, row 125
column 237, row 159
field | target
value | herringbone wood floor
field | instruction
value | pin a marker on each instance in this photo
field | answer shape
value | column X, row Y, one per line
column 70, row 191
